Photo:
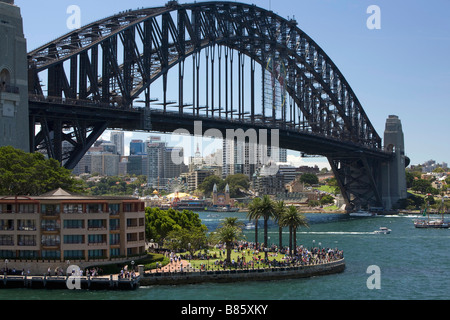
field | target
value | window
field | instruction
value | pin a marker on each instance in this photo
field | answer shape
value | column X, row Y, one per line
column 114, row 252
column 73, row 224
column 128, row 207
column 94, row 208
column 73, row 208
column 50, row 209
column 26, row 254
column 96, row 238
column 6, row 240
column 50, row 225
column 114, row 208
column 51, row 254
column 96, row 224
column 114, row 224
column 5, row 79
column 7, row 225
column 114, row 239
column 96, row 253
column 24, row 240
column 73, row 239
column 74, row 254
column 50, row 240
column 27, row 208
column 26, row 225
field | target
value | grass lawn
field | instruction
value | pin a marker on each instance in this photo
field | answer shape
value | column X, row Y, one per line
column 249, row 256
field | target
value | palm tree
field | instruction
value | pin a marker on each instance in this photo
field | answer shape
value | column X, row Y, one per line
column 254, row 213
column 232, row 222
column 267, row 211
column 294, row 219
column 280, row 211
column 228, row 235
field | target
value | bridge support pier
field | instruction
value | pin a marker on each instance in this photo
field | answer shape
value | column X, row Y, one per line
column 393, row 174
column 357, row 177
column 368, row 182
column 14, row 124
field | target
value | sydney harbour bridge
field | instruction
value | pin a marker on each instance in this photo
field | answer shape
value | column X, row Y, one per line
column 230, row 65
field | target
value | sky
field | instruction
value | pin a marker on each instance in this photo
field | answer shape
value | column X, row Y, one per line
column 402, row 68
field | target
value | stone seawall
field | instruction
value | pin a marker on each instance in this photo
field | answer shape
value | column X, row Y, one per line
column 225, row 276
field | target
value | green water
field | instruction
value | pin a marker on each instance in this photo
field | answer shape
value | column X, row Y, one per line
column 414, row 264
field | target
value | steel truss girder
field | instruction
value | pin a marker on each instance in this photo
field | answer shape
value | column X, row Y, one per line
column 358, row 178
column 317, row 87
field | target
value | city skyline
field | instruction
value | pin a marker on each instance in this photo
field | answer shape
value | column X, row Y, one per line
column 385, row 67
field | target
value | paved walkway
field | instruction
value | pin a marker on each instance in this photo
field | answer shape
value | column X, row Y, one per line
column 172, row 267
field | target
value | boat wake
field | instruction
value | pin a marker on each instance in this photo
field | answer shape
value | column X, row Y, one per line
column 337, row 232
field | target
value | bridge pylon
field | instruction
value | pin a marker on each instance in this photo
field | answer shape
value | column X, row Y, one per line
column 393, row 172
column 14, row 123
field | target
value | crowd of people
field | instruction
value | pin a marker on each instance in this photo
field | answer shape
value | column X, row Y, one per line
column 248, row 255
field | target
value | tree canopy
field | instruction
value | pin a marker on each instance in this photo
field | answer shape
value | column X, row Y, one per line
column 32, row 174
column 236, row 182
column 309, row 178
column 160, row 223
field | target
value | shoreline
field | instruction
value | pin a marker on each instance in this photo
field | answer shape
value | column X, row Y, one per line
column 243, row 275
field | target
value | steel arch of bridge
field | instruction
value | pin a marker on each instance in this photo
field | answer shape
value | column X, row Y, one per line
column 94, row 75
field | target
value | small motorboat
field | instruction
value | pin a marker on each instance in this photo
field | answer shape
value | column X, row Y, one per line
column 382, row 230
column 249, row 226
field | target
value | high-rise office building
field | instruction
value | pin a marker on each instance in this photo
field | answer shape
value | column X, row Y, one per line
column 118, row 138
column 137, row 147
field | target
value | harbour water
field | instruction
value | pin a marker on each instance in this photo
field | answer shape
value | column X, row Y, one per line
column 413, row 264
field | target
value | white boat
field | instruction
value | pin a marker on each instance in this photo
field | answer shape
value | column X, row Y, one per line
column 249, row 226
column 362, row 213
column 432, row 223
column 382, row 230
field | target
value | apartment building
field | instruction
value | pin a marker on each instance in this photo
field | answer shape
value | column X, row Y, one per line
column 60, row 226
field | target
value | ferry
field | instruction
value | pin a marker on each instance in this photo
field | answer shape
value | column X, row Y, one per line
column 193, row 205
column 432, row 223
column 362, row 213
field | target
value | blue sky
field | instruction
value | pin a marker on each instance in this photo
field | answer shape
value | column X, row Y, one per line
column 401, row 69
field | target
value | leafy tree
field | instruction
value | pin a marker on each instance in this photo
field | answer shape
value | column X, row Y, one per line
column 237, row 182
column 309, row 178
column 421, row 185
column 160, row 223
column 32, row 174
column 192, row 239
column 326, row 199
column 207, row 185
